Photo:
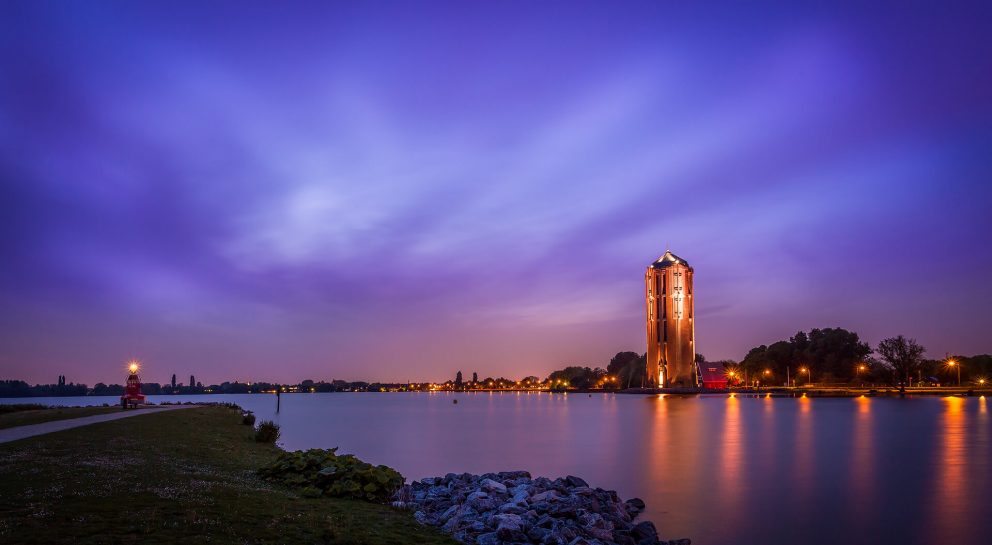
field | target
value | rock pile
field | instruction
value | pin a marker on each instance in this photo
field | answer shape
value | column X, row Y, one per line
column 512, row 508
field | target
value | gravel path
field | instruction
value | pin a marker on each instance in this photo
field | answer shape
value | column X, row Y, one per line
column 22, row 432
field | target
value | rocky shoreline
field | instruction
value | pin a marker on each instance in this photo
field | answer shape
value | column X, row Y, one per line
column 513, row 508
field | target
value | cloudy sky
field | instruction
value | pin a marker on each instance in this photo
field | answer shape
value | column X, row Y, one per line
column 397, row 191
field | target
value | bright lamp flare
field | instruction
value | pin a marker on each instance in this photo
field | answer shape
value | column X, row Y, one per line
column 133, row 366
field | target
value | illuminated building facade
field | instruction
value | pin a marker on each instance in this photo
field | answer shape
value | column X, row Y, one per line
column 671, row 334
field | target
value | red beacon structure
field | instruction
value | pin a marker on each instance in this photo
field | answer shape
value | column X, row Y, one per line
column 132, row 395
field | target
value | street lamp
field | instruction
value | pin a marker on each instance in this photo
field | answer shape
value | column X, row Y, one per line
column 805, row 370
column 952, row 364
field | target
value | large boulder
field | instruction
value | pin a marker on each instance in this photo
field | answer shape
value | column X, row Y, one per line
column 488, row 539
column 574, row 481
column 490, row 485
column 634, row 506
column 509, row 527
column 645, row 533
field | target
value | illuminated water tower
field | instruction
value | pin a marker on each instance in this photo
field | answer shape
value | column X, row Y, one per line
column 671, row 356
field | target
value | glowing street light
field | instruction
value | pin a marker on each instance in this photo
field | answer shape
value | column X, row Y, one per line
column 733, row 377
column 952, row 364
column 806, row 370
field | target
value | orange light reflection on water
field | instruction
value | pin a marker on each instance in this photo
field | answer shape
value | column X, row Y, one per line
column 862, row 483
column 951, row 509
column 732, row 469
column 804, row 464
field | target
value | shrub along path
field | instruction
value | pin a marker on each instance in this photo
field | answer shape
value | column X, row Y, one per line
column 174, row 477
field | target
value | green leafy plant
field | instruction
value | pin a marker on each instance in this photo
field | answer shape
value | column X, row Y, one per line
column 248, row 419
column 267, row 432
column 332, row 475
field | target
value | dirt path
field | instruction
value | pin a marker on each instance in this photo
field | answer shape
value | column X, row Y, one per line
column 22, row 432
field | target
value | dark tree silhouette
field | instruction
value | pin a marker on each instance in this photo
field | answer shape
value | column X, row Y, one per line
column 904, row 356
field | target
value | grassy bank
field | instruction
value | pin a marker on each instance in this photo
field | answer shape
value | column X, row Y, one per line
column 178, row 476
column 37, row 416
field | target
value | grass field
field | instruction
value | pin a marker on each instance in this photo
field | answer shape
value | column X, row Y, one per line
column 182, row 476
column 24, row 418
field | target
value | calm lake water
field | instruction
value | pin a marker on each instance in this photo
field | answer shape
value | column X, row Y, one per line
column 717, row 469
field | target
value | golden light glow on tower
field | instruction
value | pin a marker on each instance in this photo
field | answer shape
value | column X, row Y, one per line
column 670, row 329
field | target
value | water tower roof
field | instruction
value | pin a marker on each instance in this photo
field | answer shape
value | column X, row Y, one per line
column 668, row 260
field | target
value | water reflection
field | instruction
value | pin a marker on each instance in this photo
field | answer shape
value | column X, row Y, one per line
column 731, row 463
column 861, row 485
column 803, row 457
column 949, row 500
column 717, row 469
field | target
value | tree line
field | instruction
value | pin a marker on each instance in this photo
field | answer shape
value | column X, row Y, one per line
column 19, row 388
column 836, row 355
column 827, row 355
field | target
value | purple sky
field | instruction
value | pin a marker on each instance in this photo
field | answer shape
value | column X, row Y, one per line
column 385, row 191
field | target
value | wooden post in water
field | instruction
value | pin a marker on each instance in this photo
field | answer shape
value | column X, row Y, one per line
column 278, row 398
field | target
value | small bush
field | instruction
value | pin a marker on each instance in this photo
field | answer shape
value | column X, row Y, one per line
column 328, row 474
column 310, row 492
column 248, row 419
column 267, row 432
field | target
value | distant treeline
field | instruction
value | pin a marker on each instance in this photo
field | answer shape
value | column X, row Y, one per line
column 836, row 355
column 828, row 355
column 19, row 388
